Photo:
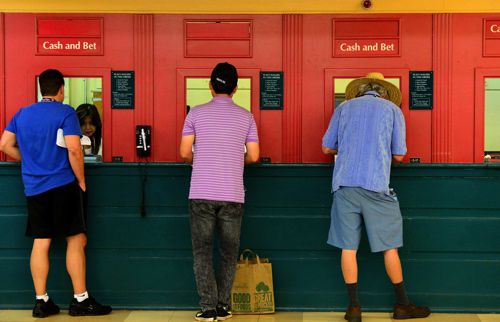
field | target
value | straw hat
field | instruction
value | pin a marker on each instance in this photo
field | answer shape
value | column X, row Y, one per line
column 374, row 77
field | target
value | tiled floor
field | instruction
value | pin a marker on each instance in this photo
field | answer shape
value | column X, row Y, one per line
column 185, row 316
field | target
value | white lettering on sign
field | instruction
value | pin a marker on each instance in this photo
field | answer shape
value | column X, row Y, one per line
column 89, row 46
column 376, row 47
column 50, row 46
column 346, row 47
column 75, row 45
column 386, row 47
column 495, row 28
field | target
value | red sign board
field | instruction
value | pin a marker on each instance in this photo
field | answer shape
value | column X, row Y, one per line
column 366, row 48
column 491, row 38
column 215, row 38
column 492, row 29
column 69, row 37
column 366, row 37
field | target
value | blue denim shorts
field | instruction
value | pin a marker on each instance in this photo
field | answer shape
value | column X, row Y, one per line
column 378, row 212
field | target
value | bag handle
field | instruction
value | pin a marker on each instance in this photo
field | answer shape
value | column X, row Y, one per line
column 250, row 254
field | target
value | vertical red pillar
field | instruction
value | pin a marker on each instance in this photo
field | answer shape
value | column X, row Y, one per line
column 443, row 87
column 292, row 70
column 144, row 72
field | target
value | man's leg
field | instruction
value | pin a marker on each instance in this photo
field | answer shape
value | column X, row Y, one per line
column 393, row 266
column 75, row 261
column 39, row 264
column 82, row 303
column 202, row 220
column 395, row 273
column 229, row 229
column 403, row 309
column 345, row 233
column 349, row 266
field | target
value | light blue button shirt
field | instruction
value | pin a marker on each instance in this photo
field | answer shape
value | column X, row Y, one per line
column 366, row 131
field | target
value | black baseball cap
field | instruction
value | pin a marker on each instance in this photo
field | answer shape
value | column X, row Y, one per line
column 224, row 78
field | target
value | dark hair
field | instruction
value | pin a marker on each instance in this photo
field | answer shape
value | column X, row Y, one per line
column 50, row 81
column 224, row 78
column 89, row 110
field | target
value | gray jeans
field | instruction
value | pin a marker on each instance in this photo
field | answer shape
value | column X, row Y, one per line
column 205, row 217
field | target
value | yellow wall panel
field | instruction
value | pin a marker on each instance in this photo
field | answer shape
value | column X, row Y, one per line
column 253, row 6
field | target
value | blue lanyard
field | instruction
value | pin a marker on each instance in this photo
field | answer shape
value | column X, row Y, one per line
column 45, row 99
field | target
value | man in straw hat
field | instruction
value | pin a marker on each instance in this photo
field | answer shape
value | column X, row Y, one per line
column 367, row 132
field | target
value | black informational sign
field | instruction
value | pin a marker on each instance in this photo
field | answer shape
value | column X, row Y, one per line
column 271, row 90
column 122, row 89
column 421, row 90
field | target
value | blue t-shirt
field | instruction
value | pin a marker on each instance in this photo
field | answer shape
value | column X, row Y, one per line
column 44, row 165
column 366, row 131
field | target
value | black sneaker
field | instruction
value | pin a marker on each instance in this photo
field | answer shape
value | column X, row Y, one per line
column 43, row 309
column 223, row 313
column 88, row 307
column 208, row 315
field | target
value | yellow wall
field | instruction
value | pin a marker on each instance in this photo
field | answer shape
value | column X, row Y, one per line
column 492, row 115
column 253, row 6
column 198, row 92
column 74, row 91
column 77, row 89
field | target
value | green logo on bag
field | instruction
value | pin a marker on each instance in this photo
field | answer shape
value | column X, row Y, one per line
column 262, row 287
column 263, row 298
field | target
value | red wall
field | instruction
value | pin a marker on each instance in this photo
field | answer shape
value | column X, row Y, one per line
column 299, row 45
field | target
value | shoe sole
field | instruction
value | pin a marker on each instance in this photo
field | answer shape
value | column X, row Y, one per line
column 407, row 317
column 219, row 318
column 205, row 319
column 86, row 314
column 41, row 316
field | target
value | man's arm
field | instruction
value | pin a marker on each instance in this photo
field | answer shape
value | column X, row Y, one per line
column 397, row 158
column 186, row 148
column 398, row 144
column 328, row 151
column 8, row 145
column 253, row 152
column 75, row 156
column 329, row 144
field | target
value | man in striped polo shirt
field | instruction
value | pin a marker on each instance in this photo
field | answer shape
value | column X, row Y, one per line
column 214, row 140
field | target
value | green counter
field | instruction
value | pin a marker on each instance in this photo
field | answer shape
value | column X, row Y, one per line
column 451, row 256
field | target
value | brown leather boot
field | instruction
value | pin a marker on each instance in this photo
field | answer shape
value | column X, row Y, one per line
column 353, row 314
column 410, row 311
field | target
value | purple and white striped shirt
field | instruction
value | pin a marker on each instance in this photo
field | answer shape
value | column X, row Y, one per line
column 221, row 129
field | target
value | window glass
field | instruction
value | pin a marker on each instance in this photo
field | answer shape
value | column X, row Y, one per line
column 340, row 84
column 198, row 92
column 85, row 96
column 492, row 118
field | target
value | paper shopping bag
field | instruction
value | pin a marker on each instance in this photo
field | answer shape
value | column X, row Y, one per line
column 252, row 290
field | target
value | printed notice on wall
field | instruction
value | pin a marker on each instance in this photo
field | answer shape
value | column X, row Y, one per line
column 421, row 90
column 122, row 89
column 271, row 90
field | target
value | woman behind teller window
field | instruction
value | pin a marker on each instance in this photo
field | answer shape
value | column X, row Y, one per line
column 91, row 126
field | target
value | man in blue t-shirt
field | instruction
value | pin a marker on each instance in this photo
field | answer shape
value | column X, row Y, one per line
column 368, row 132
column 45, row 137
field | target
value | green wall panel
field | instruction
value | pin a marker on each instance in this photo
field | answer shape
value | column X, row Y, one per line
column 451, row 255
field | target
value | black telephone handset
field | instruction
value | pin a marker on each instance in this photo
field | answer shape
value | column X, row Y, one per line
column 143, row 140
